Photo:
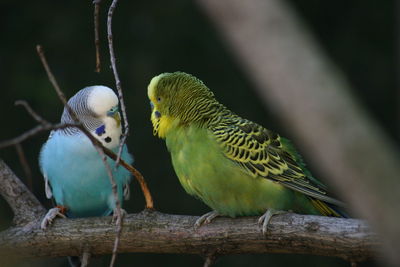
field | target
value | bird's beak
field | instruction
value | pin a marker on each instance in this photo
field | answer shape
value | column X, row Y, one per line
column 117, row 118
column 115, row 115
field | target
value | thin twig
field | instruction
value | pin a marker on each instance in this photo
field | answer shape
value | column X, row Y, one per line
column 34, row 131
column 25, row 166
column 117, row 238
column 117, row 80
column 53, row 81
column 96, row 34
column 123, row 109
column 139, row 177
column 137, row 174
column 31, row 112
column 44, row 126
column 117, row 209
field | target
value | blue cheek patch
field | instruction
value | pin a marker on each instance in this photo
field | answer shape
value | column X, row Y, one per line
column 101, row 130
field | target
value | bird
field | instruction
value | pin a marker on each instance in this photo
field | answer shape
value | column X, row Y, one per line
column 74, row 172
column 235, row 166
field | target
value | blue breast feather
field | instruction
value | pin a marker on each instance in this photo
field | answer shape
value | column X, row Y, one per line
column 78, row 177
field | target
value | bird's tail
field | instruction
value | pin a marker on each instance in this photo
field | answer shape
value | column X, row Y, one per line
column 328, row 209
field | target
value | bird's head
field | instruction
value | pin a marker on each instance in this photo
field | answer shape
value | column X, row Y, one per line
column 97, row 108
column 177, row 98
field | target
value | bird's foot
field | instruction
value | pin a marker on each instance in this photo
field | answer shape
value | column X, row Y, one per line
column 51, row 215
column 206, row 219
column 264, row 220
column 118, row 219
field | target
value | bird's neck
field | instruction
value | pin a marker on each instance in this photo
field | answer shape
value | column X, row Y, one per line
column 166, row 123
column 209, row 117
column 216, row 115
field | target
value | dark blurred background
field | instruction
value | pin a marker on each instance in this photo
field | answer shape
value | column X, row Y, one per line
column 151, row 37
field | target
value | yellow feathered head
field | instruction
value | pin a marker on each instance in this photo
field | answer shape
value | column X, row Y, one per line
column 177, row 98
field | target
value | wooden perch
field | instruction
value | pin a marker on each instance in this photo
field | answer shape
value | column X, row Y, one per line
column 25, row 206
column 155, row 232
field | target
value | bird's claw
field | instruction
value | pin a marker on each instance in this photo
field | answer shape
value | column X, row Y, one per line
column 264, row 220
column 51, row 215
column 205, row 219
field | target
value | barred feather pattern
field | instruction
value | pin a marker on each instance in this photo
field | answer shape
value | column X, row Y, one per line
column 261, row 152
column 79, row 104
column 194, row 101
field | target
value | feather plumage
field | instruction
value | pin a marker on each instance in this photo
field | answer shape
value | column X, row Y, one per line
column 74, row 172
column 235, row 166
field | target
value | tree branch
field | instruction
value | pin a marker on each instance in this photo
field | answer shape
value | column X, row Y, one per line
column 154, row 232
column 23, row 203
column 125, row 118
column 116, row 77
column 34, row 131
column 96, row 34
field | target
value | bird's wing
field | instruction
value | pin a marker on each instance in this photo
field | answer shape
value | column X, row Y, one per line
column 262, row 153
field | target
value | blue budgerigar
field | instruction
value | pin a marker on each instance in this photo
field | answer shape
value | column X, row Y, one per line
column 74, row 172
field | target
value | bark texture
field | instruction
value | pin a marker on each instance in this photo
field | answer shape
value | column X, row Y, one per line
column 155, row 232
column 24, row 204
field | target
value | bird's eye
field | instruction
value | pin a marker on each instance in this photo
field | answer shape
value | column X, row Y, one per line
column 158, row 99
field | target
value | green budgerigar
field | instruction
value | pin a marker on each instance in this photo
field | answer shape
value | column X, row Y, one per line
column 237, row 167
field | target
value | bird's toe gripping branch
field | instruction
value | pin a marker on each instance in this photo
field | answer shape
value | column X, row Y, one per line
column 206, row 219
column 264, row 220
column 51, row 215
